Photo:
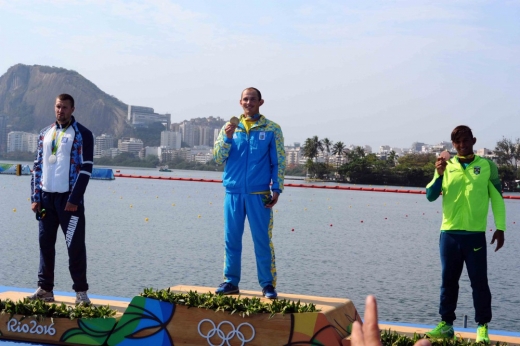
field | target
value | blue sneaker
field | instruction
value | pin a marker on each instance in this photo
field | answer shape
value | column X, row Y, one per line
column 227, row 288
column 269, row 292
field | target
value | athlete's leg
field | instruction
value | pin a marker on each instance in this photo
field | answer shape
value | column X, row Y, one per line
column 476, row 264
column 73, row 227
column 452, row 263
column 261, row 224
column 234, row 218
column 48, row 229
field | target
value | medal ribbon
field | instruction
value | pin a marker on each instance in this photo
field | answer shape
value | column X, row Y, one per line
column 56, row 144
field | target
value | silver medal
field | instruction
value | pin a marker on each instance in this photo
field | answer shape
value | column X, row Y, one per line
column 52, row 159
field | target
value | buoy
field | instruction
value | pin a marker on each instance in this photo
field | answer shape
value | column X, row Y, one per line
column 330, row 207
column 121, row 197
column 146, row 219
column 330, row 225
column 28, row 199
column 14, row 209
column 199, row 216
column 386, row 218
column 306, row 209
column 292, row 230
column 173, row 204
column 156, row 196
column 131, row 206
column 361, row 221
column 406, row 215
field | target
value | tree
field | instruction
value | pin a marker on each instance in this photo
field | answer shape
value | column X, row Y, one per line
column 326, row 145
column 508, row 153
column 312, row 147
column 338, row 149
column 391, row 158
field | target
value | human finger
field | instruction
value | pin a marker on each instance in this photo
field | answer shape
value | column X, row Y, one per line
column 371, row 332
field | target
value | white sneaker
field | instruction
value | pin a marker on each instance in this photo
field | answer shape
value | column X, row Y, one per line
column 82, row 298
column 46, row 296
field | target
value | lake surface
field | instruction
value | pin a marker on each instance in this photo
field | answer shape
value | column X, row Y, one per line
column 328, row 243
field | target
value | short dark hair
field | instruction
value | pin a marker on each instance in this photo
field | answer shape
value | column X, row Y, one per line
column 255, row 89
column 459, row 131
column 65, row 97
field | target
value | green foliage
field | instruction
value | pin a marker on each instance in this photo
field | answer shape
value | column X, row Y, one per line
column 295, row 170
column 217, row 302
column 392, row 338
column 39, row 308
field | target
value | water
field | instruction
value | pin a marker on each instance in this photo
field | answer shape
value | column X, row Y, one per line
column 345, row 244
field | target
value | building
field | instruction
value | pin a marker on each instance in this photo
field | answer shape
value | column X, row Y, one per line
column 130, row 145
column 102, row 145
column 22, row 141
column 144, row 116
column 3, row 133
column 189, row 133
column 293, row 155
column 170, row 139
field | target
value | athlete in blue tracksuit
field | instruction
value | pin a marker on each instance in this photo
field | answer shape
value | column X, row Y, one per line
column 253, row 151
column 60, row 176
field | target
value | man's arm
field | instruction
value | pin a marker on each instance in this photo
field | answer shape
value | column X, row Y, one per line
column 36, row 175
column 434, row 188
column 87, row 163
column 277, row 158
column 497, row 205
column 223, row 144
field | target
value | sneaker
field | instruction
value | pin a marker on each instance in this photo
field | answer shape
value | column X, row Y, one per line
column 482, row 333
column 227, row 288
column 46, row 296
column 269, row 292
column 82, row 298
column 442, row 331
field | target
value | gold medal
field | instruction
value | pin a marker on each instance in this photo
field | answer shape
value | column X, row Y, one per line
column 234, row 120
column 52, row 159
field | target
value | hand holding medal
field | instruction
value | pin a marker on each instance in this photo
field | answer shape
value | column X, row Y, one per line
column 231, row 126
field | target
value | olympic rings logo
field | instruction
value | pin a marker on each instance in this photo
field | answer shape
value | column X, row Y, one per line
column 226, row 337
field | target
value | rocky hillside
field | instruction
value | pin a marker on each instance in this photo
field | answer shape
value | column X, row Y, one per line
column 28, row 93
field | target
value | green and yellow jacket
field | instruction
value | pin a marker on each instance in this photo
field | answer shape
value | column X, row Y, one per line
column 466, row 192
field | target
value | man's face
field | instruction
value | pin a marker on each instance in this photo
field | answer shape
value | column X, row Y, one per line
column 250, row 103
column 63, row 111
column 464, row 144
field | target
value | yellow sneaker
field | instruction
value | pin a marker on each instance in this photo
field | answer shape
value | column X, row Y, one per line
column 482, row 333
column 442, row 331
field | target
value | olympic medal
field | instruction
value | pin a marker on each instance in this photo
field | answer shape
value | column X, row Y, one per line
column 234, row 120
column 445, row 155
column 52, row 159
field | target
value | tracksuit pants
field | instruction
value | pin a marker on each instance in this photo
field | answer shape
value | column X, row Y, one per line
column 236, row 208
column 73, row 227
column 457, row 249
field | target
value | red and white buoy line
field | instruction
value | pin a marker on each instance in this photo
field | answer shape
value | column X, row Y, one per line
column 308, row 186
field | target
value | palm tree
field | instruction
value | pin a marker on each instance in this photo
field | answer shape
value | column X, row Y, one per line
column 339, row 150
column 311, row 147
column 327, row 144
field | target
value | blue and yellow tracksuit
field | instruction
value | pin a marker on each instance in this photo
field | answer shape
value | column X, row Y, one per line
column 254, row 159
column 467, row 190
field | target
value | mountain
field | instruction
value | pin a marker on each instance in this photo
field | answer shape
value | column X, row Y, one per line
column 28, row 94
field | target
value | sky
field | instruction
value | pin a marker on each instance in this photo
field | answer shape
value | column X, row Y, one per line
column 361, row 72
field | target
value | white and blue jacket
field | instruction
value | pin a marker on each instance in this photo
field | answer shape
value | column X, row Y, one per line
column 252, row 160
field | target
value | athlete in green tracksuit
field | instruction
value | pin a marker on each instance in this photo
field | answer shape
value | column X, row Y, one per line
column 468, row 183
